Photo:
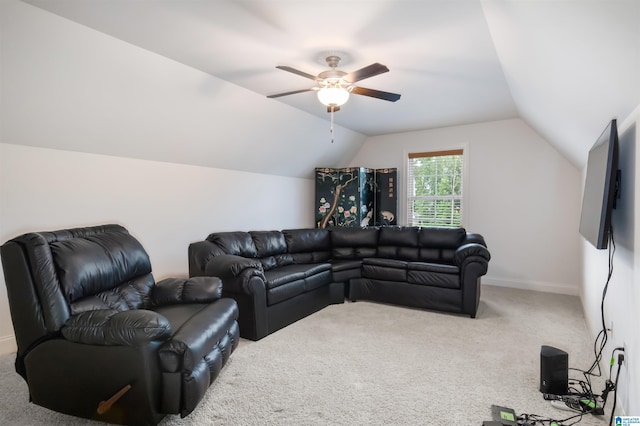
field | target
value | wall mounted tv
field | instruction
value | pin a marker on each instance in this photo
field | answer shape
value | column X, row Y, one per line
column 600, row 188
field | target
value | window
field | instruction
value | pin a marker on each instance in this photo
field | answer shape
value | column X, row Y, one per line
column 434, row 188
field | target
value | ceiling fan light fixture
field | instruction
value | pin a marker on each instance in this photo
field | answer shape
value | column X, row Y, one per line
column 333, row 96
column 333, row 85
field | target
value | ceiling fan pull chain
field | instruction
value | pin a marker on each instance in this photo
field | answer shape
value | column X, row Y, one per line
column 331, row 130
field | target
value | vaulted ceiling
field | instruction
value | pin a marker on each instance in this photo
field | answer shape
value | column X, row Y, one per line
column 564, row 66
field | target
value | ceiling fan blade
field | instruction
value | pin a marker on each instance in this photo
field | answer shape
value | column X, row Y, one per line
column 295, row 71
column 387, row 96
column 366, row 72
column 277, row 95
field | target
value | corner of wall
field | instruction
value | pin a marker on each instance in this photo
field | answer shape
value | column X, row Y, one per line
column 8, row 345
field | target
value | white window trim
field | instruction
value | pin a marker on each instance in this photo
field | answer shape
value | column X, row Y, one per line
column 466, row 182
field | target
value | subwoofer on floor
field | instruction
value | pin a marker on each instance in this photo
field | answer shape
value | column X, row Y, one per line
column 554, row 371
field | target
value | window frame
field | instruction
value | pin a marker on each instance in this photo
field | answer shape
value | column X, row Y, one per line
column 464, row 208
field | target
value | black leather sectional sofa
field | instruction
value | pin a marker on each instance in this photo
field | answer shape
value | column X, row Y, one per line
column 278, row 277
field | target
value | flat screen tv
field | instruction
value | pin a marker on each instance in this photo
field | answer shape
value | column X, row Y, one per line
column 600, row 188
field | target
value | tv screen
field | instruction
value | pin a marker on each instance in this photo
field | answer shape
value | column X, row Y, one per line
column 600, row 188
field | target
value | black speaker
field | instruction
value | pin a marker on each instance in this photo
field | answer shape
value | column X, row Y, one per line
column 554, row 371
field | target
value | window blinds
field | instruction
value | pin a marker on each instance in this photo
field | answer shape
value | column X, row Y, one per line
column 434, row 188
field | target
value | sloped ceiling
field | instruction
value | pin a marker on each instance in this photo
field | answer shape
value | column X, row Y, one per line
column 571, row 66
column 565, row 67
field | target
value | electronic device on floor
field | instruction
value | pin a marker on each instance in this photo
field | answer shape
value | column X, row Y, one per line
column 502, row 416
column 554, row 371
column 575, row 402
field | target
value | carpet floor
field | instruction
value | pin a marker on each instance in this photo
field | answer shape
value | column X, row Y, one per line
column 366, row 363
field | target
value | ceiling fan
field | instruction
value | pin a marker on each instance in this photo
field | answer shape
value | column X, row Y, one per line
column 334, row 86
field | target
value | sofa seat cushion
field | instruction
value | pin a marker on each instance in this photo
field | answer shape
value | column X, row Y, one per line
column 290, row 273
column 345, row 265
column 289, row 281
column 344, row 270
column 384, row 269
column 433, row 274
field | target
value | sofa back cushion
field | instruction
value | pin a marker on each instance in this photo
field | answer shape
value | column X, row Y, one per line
column 271, row 248
column 439, row 244
column 399, row 243
column 309, row 245
column 268, row 243
column 237, row 243
column 354, row 243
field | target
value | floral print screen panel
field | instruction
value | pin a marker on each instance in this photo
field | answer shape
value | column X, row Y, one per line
column 355, row 197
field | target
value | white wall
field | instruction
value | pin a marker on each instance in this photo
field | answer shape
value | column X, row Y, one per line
column 166, row 206
column 622, row 303
column 69, row 87
column 521, row 195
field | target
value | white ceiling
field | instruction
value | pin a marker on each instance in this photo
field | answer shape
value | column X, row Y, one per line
column 564, row 66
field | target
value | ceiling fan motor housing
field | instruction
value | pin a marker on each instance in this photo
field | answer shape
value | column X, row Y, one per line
column 333, row 61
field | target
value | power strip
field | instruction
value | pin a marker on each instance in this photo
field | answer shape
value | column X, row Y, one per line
column 561, row 405
column 576, row 403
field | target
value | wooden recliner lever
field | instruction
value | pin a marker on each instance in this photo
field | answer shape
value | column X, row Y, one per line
column 105, row 406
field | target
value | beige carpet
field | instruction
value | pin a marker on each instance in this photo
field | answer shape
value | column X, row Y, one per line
column 373, row 364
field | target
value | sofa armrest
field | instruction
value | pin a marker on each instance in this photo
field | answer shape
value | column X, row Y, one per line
column 171, row 291
column 471, row 252
column 473, row 238
column 108, row 327
column 236, row 272
column 473, row 261
column 199, row 254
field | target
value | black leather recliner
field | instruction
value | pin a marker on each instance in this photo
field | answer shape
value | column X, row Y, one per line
column 99, row 338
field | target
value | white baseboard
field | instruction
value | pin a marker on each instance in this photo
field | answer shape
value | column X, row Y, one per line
column 8, row 345
column 558, row 288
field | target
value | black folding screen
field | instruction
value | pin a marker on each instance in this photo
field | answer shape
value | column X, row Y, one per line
column 356, row 197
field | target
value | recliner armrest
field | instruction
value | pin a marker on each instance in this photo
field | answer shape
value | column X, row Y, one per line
column 109, row 327
column 171, row 291
column 236, row 272
column 203, row 330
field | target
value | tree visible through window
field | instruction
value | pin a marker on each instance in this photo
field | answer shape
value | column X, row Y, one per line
column 434, row 188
